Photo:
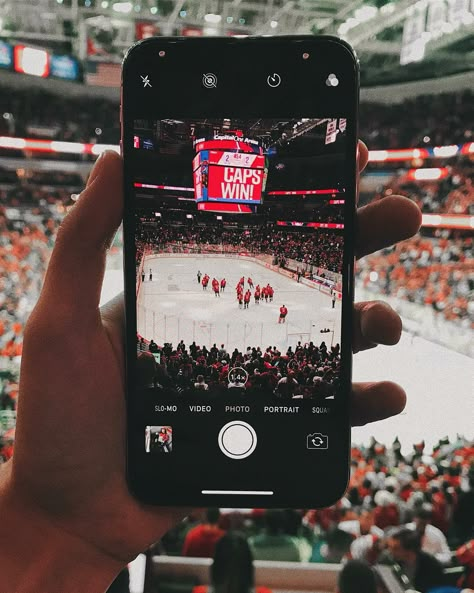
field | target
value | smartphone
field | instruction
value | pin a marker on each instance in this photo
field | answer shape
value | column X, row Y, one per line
column 240, row 188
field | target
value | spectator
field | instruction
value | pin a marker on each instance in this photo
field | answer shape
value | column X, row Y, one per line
column 274, row 543
column 336, row 546
column 433, row 540
column 363, row 525
column 463, row 517
column 200, row 541
column 200, row 384
column 422, row 569
column 356, row 577
column 232, row 570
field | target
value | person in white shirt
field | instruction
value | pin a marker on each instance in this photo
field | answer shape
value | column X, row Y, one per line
column 363, row 525
column 433, row 540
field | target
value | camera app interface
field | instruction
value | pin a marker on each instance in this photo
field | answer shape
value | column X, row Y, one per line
column 239, row 237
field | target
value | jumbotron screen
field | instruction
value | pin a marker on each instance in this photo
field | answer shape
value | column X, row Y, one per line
column 229, row 168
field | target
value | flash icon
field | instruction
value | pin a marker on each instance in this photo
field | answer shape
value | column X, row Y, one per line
column 146, row 81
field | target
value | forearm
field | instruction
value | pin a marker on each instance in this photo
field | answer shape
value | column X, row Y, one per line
column 38, row 557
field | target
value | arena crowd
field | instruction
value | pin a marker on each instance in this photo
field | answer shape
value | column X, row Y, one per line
column 436, row 272
column 453, row 194
column 306, row 371
column 414, row 511
column 314, row 248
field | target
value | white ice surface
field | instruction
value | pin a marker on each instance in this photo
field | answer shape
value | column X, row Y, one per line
column 174, row 306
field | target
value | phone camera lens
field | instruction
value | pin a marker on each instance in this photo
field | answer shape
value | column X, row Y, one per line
column 305, row 56
column 162, row 54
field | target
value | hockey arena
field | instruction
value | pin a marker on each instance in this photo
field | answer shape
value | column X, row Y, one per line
column 173, row 306
column 406, row 521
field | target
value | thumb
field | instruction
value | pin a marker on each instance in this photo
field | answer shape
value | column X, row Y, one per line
column 75, row 273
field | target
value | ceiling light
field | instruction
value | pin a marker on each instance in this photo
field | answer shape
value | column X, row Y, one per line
column 274, row 24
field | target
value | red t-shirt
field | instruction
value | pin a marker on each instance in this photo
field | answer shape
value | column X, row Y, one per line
column 200, row 542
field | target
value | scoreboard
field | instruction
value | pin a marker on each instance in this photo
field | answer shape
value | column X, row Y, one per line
column 229, row 170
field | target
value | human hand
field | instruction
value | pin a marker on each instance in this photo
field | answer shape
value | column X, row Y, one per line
column 379, row 225
column 68, row 469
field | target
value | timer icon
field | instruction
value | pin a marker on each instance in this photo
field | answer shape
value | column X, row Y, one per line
column 273, row 80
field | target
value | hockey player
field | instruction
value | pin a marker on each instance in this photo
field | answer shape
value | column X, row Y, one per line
column 240, row 298
column 199, row 276
column 215, row 287
column 270, row 293
column 247, row 296
column 205, row 282
column 257, row 295
column 250, row 282
column 223, row 284
column 283, row 314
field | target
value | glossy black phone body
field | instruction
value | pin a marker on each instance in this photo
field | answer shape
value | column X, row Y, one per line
column 240, row 155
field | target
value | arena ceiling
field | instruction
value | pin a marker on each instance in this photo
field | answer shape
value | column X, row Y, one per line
column 373, row 27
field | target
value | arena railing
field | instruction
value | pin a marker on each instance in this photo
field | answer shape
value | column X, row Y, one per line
column 176, row 573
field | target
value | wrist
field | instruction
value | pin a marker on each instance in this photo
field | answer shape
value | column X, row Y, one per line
column 36, row 555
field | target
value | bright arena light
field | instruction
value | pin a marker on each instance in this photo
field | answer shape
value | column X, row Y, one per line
column 274, row 24
column 429, row 174
column 446, row 151
column 212, row 18
column 68, row 147
column 15, row 143
column 123, row 7
column 98, row 149
column 378, row 155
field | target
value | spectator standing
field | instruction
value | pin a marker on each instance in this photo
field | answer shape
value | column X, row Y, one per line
column 274, row 543
column 363, row 525
column 232, row 570
column 422, row 569
column 356, row 577
column 200, row 541
column 433, row 541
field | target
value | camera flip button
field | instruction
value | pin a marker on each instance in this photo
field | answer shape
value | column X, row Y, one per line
column 237, row 439
column 317, row 440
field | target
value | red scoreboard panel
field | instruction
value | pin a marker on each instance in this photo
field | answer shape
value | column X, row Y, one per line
column 230, row 170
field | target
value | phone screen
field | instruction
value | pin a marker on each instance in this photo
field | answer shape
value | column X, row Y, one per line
column 239, row 255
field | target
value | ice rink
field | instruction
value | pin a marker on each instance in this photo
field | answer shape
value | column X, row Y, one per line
column 174, row 307
column 437, row 380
